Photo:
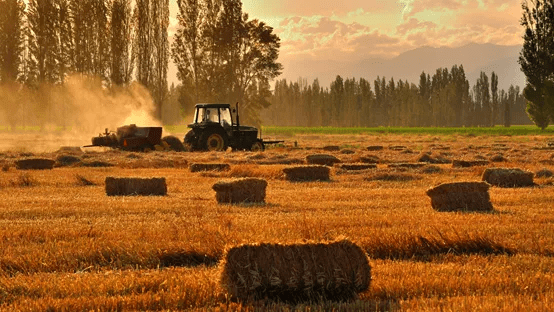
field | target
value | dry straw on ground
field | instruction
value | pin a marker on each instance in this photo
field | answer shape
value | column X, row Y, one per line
column 34, row 164
column 322, row 159
column 246, row 190
column 508, row 177
column 307, row 173
column 297, row 272
column 198, row 167
column 135, row 186
column 461, row 196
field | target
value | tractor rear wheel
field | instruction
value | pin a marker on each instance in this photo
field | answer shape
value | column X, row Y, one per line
column 214, row 141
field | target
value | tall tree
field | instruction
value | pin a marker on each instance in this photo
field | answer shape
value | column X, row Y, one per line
column 11, row 39
column 187, row 48
column 65, row 45
column 42, row 17
column 121, row 68
column 224, row 55
column 537, row 60
column 495, row 104
column 152, row 48
column 92, row 37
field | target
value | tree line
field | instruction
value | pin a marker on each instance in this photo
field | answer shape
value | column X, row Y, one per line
column 221, row 55
column 106, row 42
column 442, row 100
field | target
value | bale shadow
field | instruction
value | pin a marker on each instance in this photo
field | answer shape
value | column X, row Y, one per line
column 420, row 248
column 186, row 259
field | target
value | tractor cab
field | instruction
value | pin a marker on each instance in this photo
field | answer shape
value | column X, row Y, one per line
column 213, row 113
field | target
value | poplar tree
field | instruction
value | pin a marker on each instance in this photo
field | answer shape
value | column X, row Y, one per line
column 537, row 60
column 121, row 67
column 11, row 39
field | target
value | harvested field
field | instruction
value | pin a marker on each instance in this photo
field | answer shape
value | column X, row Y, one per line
column 66, row 246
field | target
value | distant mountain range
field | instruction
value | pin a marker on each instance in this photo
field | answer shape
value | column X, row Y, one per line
column 503, row 60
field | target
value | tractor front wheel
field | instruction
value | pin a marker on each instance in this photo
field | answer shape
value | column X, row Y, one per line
column 214, row 141
column 258, row 146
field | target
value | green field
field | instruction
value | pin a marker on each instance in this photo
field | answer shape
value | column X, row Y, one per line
column 499, row 130
column 514, row 130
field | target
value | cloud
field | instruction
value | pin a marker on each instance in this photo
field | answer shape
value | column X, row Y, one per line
column 286, row 8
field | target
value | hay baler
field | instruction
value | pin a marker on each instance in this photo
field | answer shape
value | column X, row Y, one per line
column 130, row 138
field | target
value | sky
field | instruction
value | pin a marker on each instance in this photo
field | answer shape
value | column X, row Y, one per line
column 362, row 29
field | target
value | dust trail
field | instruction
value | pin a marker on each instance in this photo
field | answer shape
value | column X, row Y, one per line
column 50, row 116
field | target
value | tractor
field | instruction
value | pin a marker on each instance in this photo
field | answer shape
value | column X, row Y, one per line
column 214, row 129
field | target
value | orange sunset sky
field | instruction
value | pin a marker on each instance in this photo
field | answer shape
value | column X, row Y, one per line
column 361, row 29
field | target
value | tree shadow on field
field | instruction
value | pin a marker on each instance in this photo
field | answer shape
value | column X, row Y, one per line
column 186, row 259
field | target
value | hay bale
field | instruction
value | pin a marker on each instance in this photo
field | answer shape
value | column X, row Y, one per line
column 97, row 164
column 209, row 167
column 322, row 159
column 375, row 148
column 370, row 159
column 135, row 186
column 425, row 157
column 397, row 147
column 331, row 148
column 34, row 164
column 461, row 196
column 431, row 169
column 407, row 165
column 468, row 163
column 296, row 272
column 357, row 166
column 432, row 159
column 498, row 158
column 246, row 190
column 66, row 160
column 508, row 177
column 544, row 173
column 307, row 173
column 174, row 143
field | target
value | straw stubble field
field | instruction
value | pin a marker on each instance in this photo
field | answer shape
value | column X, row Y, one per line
column 66, row 246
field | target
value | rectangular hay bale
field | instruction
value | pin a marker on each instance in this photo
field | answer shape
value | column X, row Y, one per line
column 461, row 196
column 508, row 177
column 307, row 173
column 135, row 186
column 198, row 167
column 245, row 190
column 296, row 272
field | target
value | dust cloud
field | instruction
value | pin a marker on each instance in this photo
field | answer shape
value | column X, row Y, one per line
column 50, row 116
